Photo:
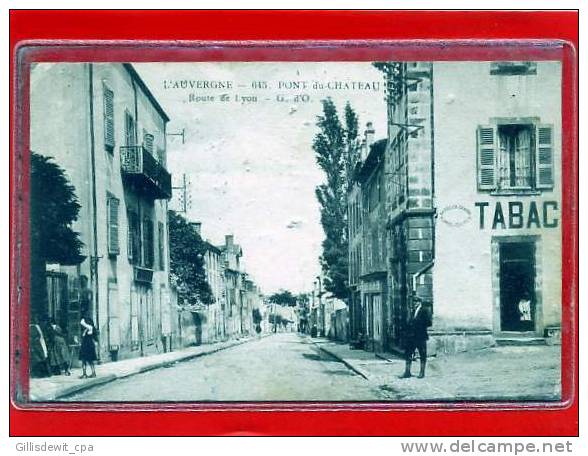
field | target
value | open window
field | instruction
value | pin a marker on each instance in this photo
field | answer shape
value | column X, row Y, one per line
column 515, row 157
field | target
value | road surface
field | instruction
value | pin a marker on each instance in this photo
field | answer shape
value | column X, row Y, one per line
column 281, row 367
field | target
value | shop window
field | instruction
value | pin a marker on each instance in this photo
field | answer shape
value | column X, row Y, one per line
column 515, row 157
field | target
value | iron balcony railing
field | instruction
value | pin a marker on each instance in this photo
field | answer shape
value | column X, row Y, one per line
column 145, row 172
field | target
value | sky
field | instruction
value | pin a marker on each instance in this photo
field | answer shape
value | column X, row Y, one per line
column 250, row 164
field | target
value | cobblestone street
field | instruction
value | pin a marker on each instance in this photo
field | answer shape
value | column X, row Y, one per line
column 288, row 367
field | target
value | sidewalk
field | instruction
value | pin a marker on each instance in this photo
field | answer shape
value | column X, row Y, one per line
column 58, row 386
column 494, row 374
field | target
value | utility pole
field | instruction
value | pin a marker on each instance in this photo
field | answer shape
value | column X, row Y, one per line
column 321, row 307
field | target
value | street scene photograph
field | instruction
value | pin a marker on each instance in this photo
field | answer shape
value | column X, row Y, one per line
column 206, row 232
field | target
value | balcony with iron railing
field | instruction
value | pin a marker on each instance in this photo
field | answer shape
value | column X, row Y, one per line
column 144, row 172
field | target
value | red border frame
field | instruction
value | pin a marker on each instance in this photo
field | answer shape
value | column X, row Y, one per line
column 30, row 27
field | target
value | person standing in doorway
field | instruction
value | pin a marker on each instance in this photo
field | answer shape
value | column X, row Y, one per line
column 524, row 308
column 416, row 337
column 88, row 347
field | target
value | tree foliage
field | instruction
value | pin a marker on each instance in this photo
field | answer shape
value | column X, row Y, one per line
column 187, row 251
column 335, row 146
column 283, row 298
column 54, row 207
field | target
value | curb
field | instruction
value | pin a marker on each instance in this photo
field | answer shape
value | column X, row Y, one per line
column 349, row 365
column 98, row 381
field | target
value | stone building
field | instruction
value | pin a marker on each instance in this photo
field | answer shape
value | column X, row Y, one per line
column 497, row 193
column 233, row 283
column 373, row 270
column 211, row 320
column 103, row 126
column 472, row 198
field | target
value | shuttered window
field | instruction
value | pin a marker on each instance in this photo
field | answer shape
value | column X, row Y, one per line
column 544, row 158
column 108, row 96
column 112, row 204
column 161, row 156
column 133, row 239
column 487, row 157
column 160, row 244
column 148, row 141
column 515, row 157
column 148, row 243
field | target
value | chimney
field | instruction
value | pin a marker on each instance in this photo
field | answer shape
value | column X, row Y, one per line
column 229, row 240
column 363, row 150
column 196, row 226
column 369, row 135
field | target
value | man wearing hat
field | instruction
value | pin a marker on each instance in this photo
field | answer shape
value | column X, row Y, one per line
column 417, row 336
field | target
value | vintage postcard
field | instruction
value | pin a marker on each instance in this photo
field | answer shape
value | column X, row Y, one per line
column 382, row 231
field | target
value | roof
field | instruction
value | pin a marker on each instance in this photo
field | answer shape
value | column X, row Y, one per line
column 212, row 247
column 131, row 69
column 373, row 159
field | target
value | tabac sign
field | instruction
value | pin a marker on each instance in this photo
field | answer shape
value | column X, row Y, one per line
column 517, row 214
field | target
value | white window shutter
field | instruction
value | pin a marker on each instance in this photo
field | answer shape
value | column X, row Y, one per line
column 113, row 241
column 487, row 154
column 544, row 157
column 148, row 142
column 108, row 118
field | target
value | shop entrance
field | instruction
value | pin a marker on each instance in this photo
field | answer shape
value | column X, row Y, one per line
column 517, row 286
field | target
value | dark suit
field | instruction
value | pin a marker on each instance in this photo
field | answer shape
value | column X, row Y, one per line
column 416, row 338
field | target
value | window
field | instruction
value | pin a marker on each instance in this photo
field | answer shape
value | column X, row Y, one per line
column 148, row 142
column 160, row 243
column 161, row 156
column 108, row 96
column 134, row 239
column 513, row 68
column 515, row 157
column 130, row 138
column 148, row 243
column 112, row 205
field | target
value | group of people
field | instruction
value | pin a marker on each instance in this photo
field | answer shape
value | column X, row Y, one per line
column 50, row 353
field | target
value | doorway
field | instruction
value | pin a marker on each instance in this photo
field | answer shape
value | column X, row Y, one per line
column 517, row 286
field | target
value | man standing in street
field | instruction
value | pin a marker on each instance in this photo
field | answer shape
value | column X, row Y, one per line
column 417, row 336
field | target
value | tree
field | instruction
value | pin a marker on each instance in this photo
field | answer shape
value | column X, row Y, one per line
column 335, row 148
column 54, row 207
column 303, row 299
column 187, row 250
column 283, row 298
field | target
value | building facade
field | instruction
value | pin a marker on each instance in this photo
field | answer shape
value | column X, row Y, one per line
column 103, row 126
column 502, row 212
column 233, row 282
column 373, row 270
column 216, row 325
column 472, row 198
